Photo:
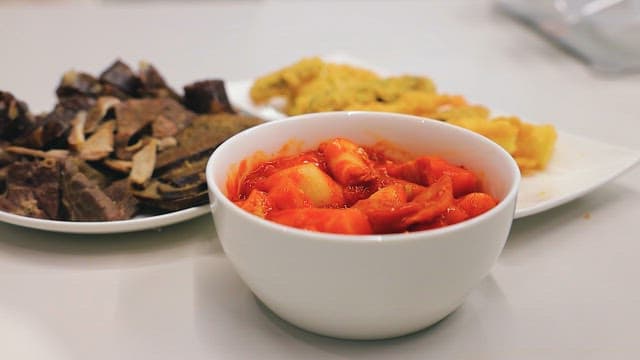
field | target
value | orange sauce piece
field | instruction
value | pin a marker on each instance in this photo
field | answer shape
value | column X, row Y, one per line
column 344, row 188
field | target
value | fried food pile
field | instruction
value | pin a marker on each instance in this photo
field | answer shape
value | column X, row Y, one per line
column 113, row 147
column 312, row 85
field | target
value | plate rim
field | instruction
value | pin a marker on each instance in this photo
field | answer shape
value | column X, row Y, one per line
column 105, row 227
column 632, row 161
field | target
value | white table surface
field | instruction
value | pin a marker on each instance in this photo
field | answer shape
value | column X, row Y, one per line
column 565, row 287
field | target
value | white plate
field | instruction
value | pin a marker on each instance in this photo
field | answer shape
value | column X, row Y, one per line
column 578, row 166
column 106, row 227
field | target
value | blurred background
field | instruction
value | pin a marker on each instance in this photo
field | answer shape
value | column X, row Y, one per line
column 496, row 52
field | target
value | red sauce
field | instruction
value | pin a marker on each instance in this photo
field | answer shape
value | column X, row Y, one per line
column 344, row 188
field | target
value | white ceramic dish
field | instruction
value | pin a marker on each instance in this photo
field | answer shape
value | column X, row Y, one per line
column 106, row 227
column 579, row 165
column 371, row 286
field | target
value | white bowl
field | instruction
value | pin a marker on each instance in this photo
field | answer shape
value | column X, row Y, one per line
column 364, row 286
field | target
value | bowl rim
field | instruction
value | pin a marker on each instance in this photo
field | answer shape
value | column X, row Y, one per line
column 219, row 196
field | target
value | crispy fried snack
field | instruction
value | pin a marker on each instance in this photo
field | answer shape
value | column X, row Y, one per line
column 312, row 85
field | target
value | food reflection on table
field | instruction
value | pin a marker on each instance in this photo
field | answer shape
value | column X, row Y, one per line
column 314, row 85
